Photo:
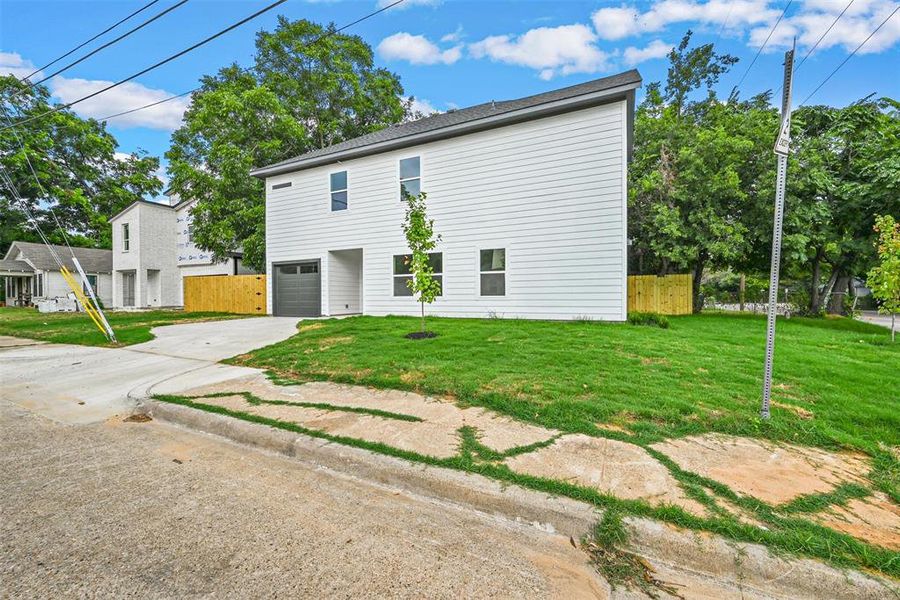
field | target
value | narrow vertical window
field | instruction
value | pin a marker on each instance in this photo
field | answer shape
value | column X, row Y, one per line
column 410, row 177
column 493, row 272
column 91, row 281
column 126, row 237
column 39, row 278
column 339, row 190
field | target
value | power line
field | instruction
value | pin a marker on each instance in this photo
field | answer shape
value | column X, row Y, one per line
column 154, row 66
column 307, row 45
column 83, row 44
column 819, row 41
column 109, row 43
column 838, row 68
column 761, row 48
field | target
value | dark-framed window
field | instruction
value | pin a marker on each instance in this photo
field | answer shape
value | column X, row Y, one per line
column 403, row 274
column 126, row 237
column 338, row 183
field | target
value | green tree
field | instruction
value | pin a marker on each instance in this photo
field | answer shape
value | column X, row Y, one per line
column 884, row 279
column 845, row 170
column 421, row 239
column 309, row 88
column 81, row 177
column 694, row 181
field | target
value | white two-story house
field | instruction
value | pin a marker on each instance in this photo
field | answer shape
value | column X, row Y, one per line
column 153, row 251
column 529, row 197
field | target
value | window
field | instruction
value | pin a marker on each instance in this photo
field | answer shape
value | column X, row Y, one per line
column 39, row 285
column 410, row 176
column 493, row 272
column 92, row 281
column 190, row 233
column 126, row 237
column 402, row 272
column 339, row 191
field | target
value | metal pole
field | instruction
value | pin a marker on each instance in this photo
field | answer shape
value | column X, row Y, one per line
column 782, row 149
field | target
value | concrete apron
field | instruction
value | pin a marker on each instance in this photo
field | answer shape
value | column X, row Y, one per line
column 751, row 569
column 81, row 384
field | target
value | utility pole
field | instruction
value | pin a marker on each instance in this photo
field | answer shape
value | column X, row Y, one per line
column 782, row 149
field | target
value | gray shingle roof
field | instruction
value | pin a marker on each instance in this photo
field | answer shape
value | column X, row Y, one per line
column 455, row 119
column 93, row 260
column 15, row 266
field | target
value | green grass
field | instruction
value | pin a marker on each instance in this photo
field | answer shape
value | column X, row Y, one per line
column 77, row 328
column 836, row 387
column 701, row 374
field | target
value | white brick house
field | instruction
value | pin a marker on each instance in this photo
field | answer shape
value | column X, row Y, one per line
column 153, row 252
column 529, row 196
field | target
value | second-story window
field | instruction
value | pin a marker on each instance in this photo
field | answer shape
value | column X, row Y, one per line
column 126, row 237
column 339, row 190
column 410, row 176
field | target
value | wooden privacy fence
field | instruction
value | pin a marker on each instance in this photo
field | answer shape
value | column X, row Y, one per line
column 668, row 295
column 242, row 294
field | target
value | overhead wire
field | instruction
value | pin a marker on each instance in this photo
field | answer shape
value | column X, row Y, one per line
column 765, row 43
column 153, row 66
column 849, row 56
column 109, row 43
column 83, row 44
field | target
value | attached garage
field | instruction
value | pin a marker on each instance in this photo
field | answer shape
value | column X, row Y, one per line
column 297, row 289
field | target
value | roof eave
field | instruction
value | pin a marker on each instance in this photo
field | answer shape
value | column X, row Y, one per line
column 507, row 118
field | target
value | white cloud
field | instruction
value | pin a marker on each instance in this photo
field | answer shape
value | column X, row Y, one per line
column 551, row 50
column 416, row 49
column 655, row 49
column 166, row 116
column 423, row 106
column 408, row 3
column 850, row 31
column 453, row 36
column 13, row 64
column 620, row 22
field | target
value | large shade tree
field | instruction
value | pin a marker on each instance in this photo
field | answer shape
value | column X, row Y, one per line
column 79, row 174
column 309, row 87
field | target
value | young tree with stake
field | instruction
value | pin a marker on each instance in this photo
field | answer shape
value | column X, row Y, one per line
column 884, row 279
column 421, row 239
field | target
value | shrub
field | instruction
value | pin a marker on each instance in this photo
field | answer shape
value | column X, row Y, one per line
column 649, row 318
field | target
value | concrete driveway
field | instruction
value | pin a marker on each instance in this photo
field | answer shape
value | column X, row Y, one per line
column 81, row 384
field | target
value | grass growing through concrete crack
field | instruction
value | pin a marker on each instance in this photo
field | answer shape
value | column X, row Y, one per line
column 784, row 534
column 257, row 401
column 606, row 547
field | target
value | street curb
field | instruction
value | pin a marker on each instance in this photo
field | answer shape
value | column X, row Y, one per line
column 748, row 566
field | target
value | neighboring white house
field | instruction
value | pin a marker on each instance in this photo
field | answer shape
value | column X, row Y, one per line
column 153, row 252
column 31, row 273
column 529, row 197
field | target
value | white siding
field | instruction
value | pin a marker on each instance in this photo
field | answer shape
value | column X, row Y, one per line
column 550, row 191
column 344, row 270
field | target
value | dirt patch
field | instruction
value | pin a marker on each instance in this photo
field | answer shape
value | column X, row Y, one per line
column 612, row 427
column 797, row 410
column 310, row 327
column 771, row 472
column 648, row 360
column 420, row 335
column 609, row 466
column 412, row 376
column 875, row 520
column 138, row 418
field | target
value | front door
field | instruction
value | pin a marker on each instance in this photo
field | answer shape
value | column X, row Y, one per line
column 298, row 289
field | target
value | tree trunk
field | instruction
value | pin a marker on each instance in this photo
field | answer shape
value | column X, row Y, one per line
column 423, row 316
column 743, row 291
column 814, row 298
column 835, row 272
column 892, row 326
column 697, row 277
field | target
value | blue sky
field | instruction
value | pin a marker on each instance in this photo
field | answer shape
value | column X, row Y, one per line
column 452, row 53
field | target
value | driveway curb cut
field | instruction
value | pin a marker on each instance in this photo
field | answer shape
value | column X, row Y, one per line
column 751, row 567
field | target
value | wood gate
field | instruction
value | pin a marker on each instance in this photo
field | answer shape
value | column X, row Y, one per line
column 668, row 295
column 241, row 294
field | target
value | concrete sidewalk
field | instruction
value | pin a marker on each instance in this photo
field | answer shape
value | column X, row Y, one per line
column 82, row 384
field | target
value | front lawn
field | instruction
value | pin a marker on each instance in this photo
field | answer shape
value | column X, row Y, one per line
column 837, row 381
column 77, row 328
